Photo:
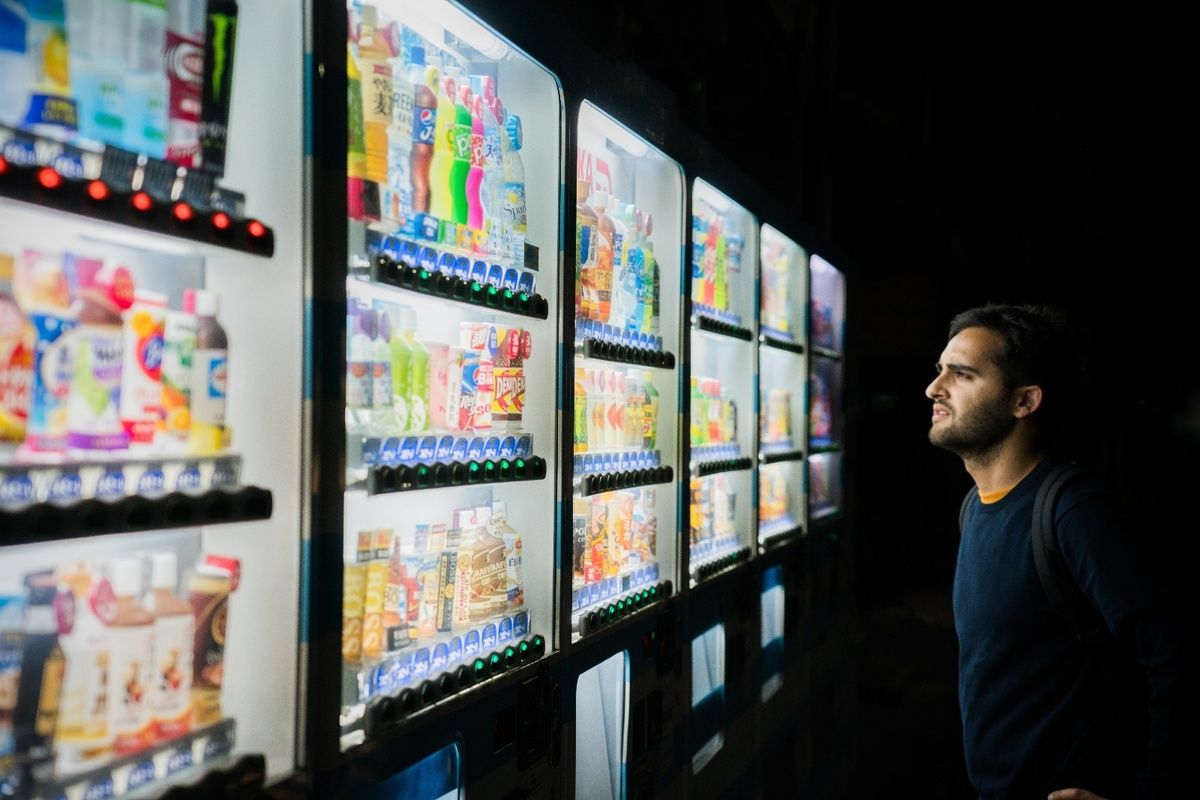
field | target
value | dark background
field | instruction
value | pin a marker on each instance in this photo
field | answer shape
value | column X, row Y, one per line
column 958, row 155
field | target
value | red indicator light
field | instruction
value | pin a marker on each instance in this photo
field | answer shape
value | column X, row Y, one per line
column 142, row 202
column 221, row 221
column 183, row 212
column 98, row 190
column 3, row 165
column 49, row 178
column 256, row 229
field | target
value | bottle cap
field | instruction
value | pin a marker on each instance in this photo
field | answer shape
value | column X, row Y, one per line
column 189, row 301
column 149, row 297
column 126, row 577
column 513, row 125
column 164, row 571
column 207, row 303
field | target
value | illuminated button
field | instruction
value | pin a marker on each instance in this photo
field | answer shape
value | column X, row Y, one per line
column 495, row 663
column 141, row 201
column 221, row 221
column 489, row 470
column 510, row 656
column 480, row 668
column 256, row 229
column 424, row 477
column 474, row 472
column 506, row 469
column 183, row 212
column 3, row 165
column 49, row 178
column 524, row 649
column 98, row 191
column 538, row 643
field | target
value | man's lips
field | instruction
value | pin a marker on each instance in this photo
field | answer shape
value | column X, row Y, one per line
column 940, row 412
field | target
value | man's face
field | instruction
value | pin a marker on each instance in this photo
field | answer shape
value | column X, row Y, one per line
column 971, row 407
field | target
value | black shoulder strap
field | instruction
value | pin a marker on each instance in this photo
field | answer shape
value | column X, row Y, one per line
column 1063, row 592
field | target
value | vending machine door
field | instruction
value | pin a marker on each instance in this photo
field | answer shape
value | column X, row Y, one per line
column 782, row 366
column 151, row 351
column 627, row 337
column 451, row 364
column 721, row 372
column 827, row 320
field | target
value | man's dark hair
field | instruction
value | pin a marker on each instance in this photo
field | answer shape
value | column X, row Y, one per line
column 1041, row 347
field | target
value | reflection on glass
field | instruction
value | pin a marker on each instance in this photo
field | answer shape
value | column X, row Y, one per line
column 707, row 726
column 601, row 712
column 438, row 776
column 772, row 602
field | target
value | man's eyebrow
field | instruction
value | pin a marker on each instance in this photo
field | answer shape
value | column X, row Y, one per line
column 959, row 368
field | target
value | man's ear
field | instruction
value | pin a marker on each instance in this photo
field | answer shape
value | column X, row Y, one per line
column 1026, row 400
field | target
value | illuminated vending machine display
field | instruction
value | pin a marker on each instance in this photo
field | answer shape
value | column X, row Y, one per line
column 150, row 398
column 827, row 316
column 782, row 358
column 452, row 363
column 721, row 372
column 625, row 508
column 627, row 324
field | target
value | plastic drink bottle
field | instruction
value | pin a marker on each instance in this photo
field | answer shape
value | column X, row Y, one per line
column 475, row 171
column 16, row 360
column 585, row 280
column 14, row 67
column 210, row 370
column 376, row 86
column 130, row 671
column 93, row 408
column 418, row 373
column 650, row 413
column 360, row 387
column 51, row 109
column 398, row 193
column 83, row 728
column 604, row 256
column 141, row 369
column 580, row 427
column 179, row 349
column 423, row 136
column 98, row 31
column 356, row 154
column 494, row 146
column 383, row 414
column 146, row 87
column 443, row 146
column 185, row 76
column 401, row 358
column 174, row 631
column 461, row 165
column 516, row 225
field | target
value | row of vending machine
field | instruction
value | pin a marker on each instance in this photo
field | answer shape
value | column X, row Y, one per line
column 312, row 481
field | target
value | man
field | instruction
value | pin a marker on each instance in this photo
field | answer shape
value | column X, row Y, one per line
column 1042, row 712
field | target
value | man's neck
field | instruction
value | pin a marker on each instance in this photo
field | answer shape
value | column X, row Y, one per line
column 1004, row 466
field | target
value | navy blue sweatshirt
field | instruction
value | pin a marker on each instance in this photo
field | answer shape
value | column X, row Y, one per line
column 1039, row 709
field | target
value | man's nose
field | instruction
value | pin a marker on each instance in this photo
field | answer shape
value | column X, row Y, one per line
column 934, row 390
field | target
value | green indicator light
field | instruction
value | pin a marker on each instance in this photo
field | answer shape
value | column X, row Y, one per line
column 493, row 290
column 505, row 463
column 474, row 466
column 423, row 470
column 423, row 274
column 524, row 647
column 620, row 605
column 494, row 658
column 509, row 653
column 612, row 611
column 537, row 641
column 480, row 665
column 508, row 294
column 653, row 591
column 522, row 297
column 520, row 463
column 476, row 286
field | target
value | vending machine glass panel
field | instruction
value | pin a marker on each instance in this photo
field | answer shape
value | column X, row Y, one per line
column 721, row 374
column 629, row 234
column 601, row 722
column 827, row 306
column 435, row 777
column 782, row 367
column 706, row 728
column 452, row 367
column 772, row 600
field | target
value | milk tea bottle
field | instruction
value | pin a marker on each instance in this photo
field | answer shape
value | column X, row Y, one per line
column 174, row 632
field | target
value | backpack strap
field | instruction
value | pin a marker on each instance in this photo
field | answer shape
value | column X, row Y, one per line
column 1057, row 581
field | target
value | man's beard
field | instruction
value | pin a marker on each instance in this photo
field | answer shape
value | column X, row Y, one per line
column 974, row 434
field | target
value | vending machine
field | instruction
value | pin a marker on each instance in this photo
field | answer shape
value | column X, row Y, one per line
column 721, row 375
column 827, row 321
column 626, row 705
column 439, row 344
column 782, row 370
column 151, row 311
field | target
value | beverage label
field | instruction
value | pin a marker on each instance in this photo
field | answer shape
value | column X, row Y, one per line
column 462, row 267
column 389, row 450
column 172, row 676
column 488, row 636
column 111, row 483
column 504, row 631
column 141, row 396
column 471, row 643
column 475, row 449
column 15, row 488
column 525, row 282
column 479, row 271
column 511, row 279
column 445, row 448
column 514, row 209
column 491, row 448
column 524, row 446
column 440, row 657
column 179, row 346
column 455, row 650
column 66, row 487
column 152, row 482
column 130, row 682
column 53, row 366
column 459, row 453
column 16, row 370
column 508, row 447
column 408, row 449
column 508, row 402
column 424, row 122
column 495, row 276
column 427, row 449
column 208, row 393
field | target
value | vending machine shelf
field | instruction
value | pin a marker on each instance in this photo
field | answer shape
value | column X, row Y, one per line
column 99, row 184
column 387, row 712
column 782, row 537
column 706, row 468
column 781, row 344
column 587, row 485
column 201, row 751
column 773, row 456
column 416, row 477
column 485, row 295
column 825, row 352
column 817, row 447
column 624, row 353
column 619, row 608
column 703, row 322
column 708, row 568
